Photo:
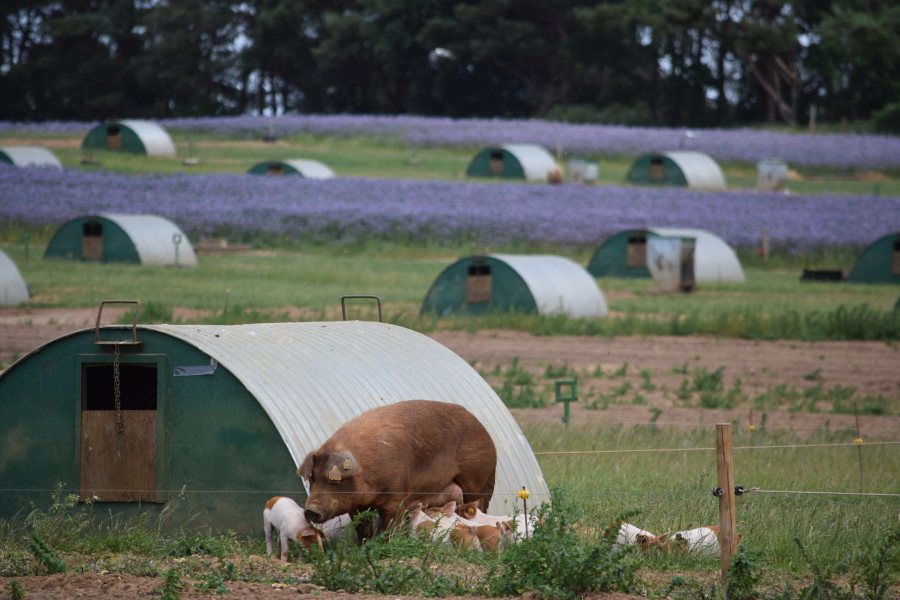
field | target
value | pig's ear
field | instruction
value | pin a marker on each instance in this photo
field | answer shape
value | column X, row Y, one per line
column 449, row 509
column 305, row 469
column 341, row 465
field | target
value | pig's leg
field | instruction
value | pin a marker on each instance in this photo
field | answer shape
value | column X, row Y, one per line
column 285, row 540
column 267, row 526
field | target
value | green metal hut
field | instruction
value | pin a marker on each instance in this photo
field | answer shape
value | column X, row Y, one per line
column 205, row 422
column 625, row 255
column 108, row 237
column 132, row 135
column 678, row 168
column 879, row 262
column 512, row 161
column 547, row 285
column 309, row 169
column 13, row 289
column 28, row 156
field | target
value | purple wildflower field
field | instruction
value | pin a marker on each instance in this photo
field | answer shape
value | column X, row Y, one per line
column 847, row 151
column 348, row 209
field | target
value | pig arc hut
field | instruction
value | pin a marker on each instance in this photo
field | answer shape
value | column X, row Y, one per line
column 207, row 422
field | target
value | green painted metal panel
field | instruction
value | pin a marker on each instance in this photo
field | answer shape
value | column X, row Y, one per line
column 448, row 294
column 98, row 139
column 67, row 242
column 879, row 262
column 5, row 158
column 610, row 259
column 480, row 166
column 642, row 173
column 219, row 456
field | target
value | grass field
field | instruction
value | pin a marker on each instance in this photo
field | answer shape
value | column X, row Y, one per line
column 372, row 157
column 773, row 303
column 659, row 491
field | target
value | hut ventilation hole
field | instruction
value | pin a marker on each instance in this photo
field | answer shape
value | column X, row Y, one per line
column 114, row 137
column 895, row 264
column 478, row 284
column 92, row 240
column 274, row 169
column 118, row 466
column 497, row 163
column 636, row 255
column 657, row 169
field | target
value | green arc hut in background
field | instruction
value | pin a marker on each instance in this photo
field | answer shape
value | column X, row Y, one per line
column 132, row 135
column 108, row 237
column 879, row 262
column 547, row 285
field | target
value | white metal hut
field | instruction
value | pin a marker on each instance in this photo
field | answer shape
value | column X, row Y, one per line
column 680, row 167
column 13, row 289
column 216, row 419
column 516, row 161
column 29, row 156
column 109, row 237
column 306, row 168
column 625, row 255
column 547, row 285
column 130, row 135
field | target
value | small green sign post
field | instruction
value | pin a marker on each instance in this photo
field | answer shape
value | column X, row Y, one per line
column 565, row 391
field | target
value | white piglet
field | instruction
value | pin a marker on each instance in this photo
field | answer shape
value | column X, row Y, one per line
column 702, row 540
column 629, row 535
column 287, row 517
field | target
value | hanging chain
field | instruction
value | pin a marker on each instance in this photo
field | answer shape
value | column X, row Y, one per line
column 117, row 393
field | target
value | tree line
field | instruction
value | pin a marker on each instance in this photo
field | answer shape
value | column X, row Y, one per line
column 642, row 62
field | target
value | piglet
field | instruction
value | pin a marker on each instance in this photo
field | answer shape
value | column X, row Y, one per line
column 287, row 517
column 701, row 540
column 629, row 535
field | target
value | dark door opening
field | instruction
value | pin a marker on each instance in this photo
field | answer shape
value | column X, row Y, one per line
column 496, row 163
column 274, row 169
column 636, row 254
column 118, row 440
column 657, row 168
column 92, row 240
column 114, row 137
column 478, row 284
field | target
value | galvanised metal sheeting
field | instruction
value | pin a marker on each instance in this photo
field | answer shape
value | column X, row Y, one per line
column 29, row 156
column 558, row 285
column 310, row 169
column 13, row 289
column 535, row 160
column 700, row 170
column 154, row 239
column 714, row 260
column 310, row 378
column 156, row 140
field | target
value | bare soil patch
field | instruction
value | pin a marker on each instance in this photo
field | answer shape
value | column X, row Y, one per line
column 118, row 586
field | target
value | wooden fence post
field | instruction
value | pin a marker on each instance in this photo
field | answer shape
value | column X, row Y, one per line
column 727, row 520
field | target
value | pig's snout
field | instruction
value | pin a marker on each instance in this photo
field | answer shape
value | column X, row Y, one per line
column 313, row 514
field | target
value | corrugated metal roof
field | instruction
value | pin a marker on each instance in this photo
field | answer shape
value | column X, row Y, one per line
column 13, row 289
column 310, row 378
column 700, row 170
column 535, row 160
column 155, row 139
column 714, row 260
column 558, row 285
column 311, row 169
column 28, row 156
column 152, row 236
